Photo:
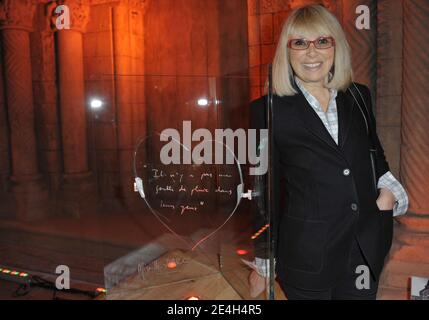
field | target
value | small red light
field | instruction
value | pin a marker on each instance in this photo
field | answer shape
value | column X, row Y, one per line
column 171, row 265
column 241, row 252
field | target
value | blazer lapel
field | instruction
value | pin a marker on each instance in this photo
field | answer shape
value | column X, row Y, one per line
column 310, row 119
column 345, row 105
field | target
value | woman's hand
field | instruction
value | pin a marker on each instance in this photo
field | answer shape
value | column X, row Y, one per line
column 256, row 283
column 386, row 200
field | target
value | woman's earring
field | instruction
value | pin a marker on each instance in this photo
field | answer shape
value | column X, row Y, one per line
column 294, row 83
column 331, row 74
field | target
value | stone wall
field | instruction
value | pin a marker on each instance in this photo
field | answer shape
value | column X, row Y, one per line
column 143, row 59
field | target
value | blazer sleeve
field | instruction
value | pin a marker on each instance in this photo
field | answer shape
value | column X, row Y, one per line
column 258, row 115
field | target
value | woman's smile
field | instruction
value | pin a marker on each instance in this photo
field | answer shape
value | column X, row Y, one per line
column 312, row 66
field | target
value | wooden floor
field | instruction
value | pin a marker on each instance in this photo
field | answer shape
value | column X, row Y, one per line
column 195, row 276
column 88, row 245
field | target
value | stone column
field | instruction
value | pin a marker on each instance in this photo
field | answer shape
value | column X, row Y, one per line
column 5, row 208
column 389, row 95
column 78, row 190
column 402, row 55
column 4, row 134
column 45, row 97
column 389, row 66
column 29, row 191
column 414, row 236
column 129, row 90
column 363, row 42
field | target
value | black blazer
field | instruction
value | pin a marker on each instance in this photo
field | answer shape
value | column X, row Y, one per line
column 328, row 195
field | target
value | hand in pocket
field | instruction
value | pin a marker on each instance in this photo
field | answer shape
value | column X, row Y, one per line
column 386, row 200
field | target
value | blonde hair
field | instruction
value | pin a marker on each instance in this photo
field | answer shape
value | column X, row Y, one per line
column 307, row 20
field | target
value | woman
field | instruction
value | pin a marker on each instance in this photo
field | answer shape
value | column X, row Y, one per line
column 334, row 228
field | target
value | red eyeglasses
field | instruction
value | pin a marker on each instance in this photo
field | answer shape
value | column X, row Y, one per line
column 319, row 43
